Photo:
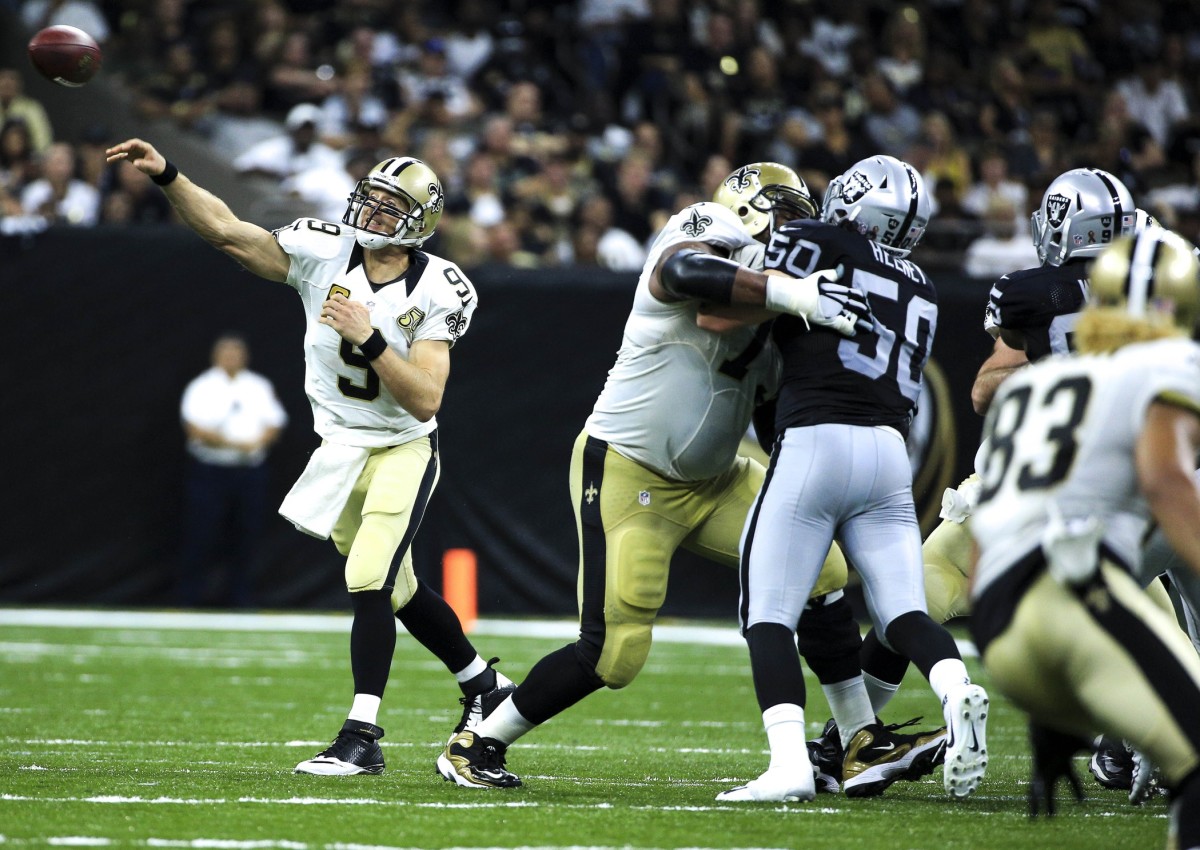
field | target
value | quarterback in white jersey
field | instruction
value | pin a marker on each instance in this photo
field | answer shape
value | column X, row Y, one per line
column 1080, row 454
column 656, row 466
column 433, row 301
column 381, row 318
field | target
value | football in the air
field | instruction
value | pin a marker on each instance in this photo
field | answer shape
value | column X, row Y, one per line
column 65, row 55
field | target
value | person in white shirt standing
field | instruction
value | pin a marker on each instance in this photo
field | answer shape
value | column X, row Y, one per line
column 231, row 417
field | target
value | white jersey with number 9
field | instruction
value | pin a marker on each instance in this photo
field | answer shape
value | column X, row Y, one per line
column 432, row 301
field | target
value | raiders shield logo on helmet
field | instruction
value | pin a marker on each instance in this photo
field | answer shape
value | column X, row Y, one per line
column 858, row 185
column 1056, row 209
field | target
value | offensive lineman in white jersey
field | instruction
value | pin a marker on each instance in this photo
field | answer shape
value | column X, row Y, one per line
column 656, row 465
column 381, row 317
column 1080, row 454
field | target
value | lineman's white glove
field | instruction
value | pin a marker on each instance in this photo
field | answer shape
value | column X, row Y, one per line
column 819, row 299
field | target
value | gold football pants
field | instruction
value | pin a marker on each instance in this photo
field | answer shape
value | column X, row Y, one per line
column 630, row 521
column 382, row 515
column 1109, row 660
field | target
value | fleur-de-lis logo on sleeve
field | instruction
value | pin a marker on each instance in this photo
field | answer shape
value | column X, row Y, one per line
column 696, row 225
column 456, row 323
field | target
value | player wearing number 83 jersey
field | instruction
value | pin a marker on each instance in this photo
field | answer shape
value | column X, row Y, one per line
column 1079, row 454
column 1058, row 446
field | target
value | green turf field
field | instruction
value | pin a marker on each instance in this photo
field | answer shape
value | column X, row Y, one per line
column 167, row 737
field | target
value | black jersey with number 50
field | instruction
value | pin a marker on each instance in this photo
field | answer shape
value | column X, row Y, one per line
column 873, row 378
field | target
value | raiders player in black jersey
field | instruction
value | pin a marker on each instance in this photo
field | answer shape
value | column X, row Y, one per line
column 1031, row 314
column 839, row 467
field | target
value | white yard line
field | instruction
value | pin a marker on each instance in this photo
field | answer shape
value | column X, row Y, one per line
column 204, row 621
column 267, row 844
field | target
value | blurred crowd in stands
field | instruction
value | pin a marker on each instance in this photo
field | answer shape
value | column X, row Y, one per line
column 566, row 133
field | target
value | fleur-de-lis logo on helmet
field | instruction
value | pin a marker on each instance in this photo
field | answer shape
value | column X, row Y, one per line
column 697, row 224
column 435, row 197
column 739, row 181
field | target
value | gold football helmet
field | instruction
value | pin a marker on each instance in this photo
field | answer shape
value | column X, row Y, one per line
column 1142, row 287
column 759, row 192
column 399, row 202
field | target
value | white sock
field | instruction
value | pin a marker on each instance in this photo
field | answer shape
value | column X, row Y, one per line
column 365, row 708
column 785, row 735
column 879, row 691
column 471, row 670
column 850, row 705
column 947, row 676
column 505, row 723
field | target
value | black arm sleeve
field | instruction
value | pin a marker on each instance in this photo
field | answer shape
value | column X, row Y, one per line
column 694, row 274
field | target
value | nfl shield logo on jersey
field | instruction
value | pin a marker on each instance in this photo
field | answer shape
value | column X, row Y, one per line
column 644, row 498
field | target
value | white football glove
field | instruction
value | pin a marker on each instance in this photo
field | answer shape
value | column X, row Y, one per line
column 959, row 503
column 820, row 299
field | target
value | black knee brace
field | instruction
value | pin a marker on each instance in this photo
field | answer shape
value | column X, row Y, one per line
column 829, row 640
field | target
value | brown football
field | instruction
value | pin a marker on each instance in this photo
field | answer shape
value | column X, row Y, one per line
column 65, row 55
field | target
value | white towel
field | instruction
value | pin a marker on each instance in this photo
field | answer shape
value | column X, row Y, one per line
column 316, row 499
column 958, row 505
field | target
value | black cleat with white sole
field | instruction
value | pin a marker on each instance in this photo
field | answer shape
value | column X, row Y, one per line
column 354, row 751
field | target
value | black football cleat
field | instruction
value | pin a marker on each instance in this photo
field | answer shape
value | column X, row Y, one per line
column 474, row 762
column 355, row 750
column 476, row 708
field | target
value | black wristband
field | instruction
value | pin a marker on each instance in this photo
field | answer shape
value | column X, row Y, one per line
column 168, row 175
column 374, row 345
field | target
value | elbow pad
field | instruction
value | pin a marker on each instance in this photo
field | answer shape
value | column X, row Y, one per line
column 695, row 274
